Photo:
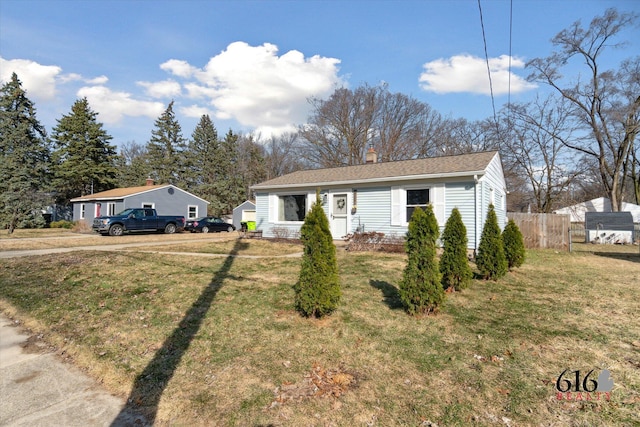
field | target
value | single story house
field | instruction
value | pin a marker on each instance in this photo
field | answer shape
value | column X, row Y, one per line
column 382, row 196
column 244, row 212
column 166, row 199
column 600, row 204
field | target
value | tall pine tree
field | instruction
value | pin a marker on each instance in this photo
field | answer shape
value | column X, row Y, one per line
column 201, row 163
column 24, row 158
column 228, row 187
column 133, row 169
column 84, row 160
column 165, row 150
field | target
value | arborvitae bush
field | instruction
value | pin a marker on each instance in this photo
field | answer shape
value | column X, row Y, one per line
column 513, row 244
column 454, row 266
column 490, row 259
column 421, row 288
column 317, row 291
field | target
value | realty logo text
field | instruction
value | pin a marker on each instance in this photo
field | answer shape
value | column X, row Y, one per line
column 573, row 385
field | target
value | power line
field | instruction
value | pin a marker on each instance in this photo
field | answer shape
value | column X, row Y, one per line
column 510, row 39
column 486, row 56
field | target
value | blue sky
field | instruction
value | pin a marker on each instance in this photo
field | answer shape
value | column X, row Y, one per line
column 252, row 65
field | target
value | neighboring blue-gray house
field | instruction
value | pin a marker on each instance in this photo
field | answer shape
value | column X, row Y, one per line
column 244, row 212
column 382, row 196
column 166, row 199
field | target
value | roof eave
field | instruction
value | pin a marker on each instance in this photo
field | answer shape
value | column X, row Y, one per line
column 371, row 180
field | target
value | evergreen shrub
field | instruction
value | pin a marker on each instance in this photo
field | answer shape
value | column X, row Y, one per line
column 317, row 291
column 421, row 289
column 513, row 244
column 454, row 266
column 491, row 260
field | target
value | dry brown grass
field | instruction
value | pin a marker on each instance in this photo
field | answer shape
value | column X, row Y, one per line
column 67, row 239
column 490, row 357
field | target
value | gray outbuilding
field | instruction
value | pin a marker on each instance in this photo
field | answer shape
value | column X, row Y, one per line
column 166, row 199
column 243, row 213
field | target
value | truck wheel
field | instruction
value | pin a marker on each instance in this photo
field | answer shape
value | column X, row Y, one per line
column 205, row 229
column 116, row 230
column 229, row 229
column 170, row 229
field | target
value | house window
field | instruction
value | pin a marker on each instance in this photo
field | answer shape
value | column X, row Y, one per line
column 292, row 207
column 82, row 210
column 97, row 213
column 416, row 198
column 111, row 209
column 193, row 212
column 148, row 205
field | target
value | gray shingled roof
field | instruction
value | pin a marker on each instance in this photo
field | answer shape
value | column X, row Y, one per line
column 463, row 164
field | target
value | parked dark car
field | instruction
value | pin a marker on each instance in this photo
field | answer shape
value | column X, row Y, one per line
column 208, row 224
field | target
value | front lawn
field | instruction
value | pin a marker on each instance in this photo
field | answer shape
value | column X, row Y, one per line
column 216, row 341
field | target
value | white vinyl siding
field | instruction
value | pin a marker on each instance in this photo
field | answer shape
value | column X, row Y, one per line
column 461, row 195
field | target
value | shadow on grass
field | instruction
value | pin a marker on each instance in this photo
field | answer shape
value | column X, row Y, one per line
column 153, row 380
column 389, row 292
column 635, row 257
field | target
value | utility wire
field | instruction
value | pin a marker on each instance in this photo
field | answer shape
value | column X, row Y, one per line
column 486, row 56
column 510, row 39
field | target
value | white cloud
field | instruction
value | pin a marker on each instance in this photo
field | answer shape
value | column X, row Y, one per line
column 195, row 111
column 258, row 88
column 100, row 80
column 163, row 89
column 113, row 106
column 467, row 73
column 38, row 80
column 179, row 68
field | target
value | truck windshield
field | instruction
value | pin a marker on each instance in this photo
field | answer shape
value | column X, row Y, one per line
column 125, row 212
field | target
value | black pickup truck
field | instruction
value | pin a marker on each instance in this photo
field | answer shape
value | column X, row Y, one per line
column 135, row 220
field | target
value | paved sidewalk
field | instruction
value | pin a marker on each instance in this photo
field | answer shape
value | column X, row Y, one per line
column 38, row 389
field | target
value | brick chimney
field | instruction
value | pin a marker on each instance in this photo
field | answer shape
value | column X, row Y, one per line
column 149, row 181
column 372, row 156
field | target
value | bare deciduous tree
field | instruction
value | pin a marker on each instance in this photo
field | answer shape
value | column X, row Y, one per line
column 341, row 129
column 534, row 149
column 606, row 103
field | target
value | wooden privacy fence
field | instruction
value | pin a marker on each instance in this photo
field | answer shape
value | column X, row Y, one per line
column 543, row 231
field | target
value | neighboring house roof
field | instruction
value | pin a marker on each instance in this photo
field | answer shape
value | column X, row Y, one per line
column 432, row 167
column 600, row 204
column 122, row 193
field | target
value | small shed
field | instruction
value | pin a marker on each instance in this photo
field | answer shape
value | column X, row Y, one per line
column 243, row 213
column 609, row 227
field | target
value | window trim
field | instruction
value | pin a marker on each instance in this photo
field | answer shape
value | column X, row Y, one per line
column 399, row 202
column 148, row 205
column 277, row 207
column 111, row 209
column 189, row 212
column 83, row 210
column 407, row 205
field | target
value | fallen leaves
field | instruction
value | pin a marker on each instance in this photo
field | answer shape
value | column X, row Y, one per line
column 319, row 382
